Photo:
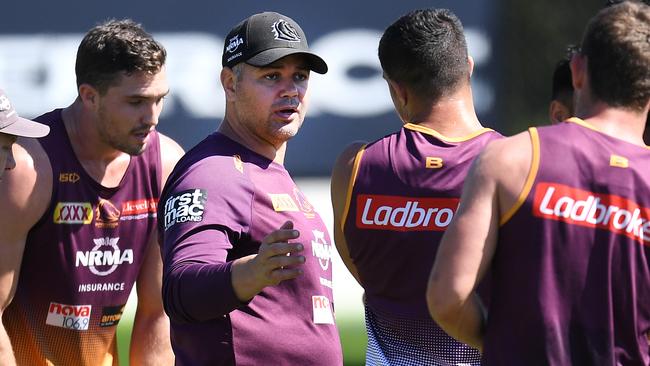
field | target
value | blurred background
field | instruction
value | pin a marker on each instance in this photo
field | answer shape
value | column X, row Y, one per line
column 515, row 45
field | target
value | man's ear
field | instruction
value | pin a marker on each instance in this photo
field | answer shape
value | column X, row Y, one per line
column 578, row 67
column 470, row 61
column 399, row 93
column 558, row 112
column 229, row 82
column 89, row 96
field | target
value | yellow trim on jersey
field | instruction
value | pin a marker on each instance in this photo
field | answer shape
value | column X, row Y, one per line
column 436, row 134
column 583, row 123
column 534, row 167
column 586, row 124
column 353, row 178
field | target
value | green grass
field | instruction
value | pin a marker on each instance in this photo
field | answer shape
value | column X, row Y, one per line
column 352, row 332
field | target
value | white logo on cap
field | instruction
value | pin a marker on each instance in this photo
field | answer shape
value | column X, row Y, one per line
column 285, row 32
column 5, row 105
column 233, row 43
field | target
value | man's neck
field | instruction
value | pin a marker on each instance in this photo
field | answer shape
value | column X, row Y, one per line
column 103, row 163
column 624, row 124
column 451, row 116
column 236, row 132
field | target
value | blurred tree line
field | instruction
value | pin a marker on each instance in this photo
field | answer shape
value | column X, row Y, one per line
column 533, row 37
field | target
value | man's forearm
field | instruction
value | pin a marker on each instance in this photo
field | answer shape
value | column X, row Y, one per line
column 150, row 341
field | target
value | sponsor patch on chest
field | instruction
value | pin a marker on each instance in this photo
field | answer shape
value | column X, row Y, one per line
column 74, row 317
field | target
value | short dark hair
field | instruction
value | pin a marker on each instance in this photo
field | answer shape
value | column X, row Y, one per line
column 113, row 47
column 618, row 54
column 562, row 88
column 614, row 2
column 426, row 50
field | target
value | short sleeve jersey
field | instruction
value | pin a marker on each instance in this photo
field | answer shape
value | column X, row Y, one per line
column 82, row 258
column 221, row 186
column 571, row 271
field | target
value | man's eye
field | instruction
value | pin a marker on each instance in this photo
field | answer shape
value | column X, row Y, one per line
column 271, row 77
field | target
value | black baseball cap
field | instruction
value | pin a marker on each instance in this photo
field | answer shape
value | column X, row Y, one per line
column 12, row 124
column 264, row 38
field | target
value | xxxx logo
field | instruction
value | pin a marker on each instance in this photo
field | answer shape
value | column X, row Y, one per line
column 73, row 213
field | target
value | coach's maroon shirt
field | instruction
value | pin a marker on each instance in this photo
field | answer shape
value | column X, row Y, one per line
column 219, row 203
column 404, row 191
column 571, row 272
column 82, row 258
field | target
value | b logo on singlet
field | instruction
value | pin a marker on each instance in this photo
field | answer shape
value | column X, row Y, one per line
column 185, row 206
column 75, row 317
column 396, row 213
column 73, row 213
column 596, row 210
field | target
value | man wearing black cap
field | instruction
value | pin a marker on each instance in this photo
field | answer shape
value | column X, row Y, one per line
column 12, row 126
column 247, row 275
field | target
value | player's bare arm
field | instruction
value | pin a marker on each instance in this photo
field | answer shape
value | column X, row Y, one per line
column 342, row 174
column 150, row 344
column 24, row 195
column 493, row 185
column 277, row 260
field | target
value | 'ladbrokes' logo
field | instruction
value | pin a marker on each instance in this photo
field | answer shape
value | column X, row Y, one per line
column 579, row 207
column 397, row 213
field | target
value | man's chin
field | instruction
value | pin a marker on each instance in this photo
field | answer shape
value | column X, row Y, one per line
column 134, row 150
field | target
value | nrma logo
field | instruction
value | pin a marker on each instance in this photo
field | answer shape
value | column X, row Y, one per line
column 105, row 256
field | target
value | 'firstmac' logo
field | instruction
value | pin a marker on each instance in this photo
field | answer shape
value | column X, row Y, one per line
column 185, row 206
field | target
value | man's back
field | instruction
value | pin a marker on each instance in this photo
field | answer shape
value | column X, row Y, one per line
column 403, row 196
column 573, row 263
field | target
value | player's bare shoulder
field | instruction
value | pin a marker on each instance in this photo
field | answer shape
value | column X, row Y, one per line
column 508, row 155
column 507, row 162
column 26, row 190
column 170, row 153
column 344, row 168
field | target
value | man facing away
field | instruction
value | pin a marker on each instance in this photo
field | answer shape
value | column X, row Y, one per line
column 78, row 213
column 394, row 197
column 13, row 126
column 560, row 216
column 561, row 106
column 247, row 260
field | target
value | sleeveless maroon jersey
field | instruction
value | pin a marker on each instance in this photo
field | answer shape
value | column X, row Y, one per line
column 404, row 191
column 571, row 272
column 82, row 257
